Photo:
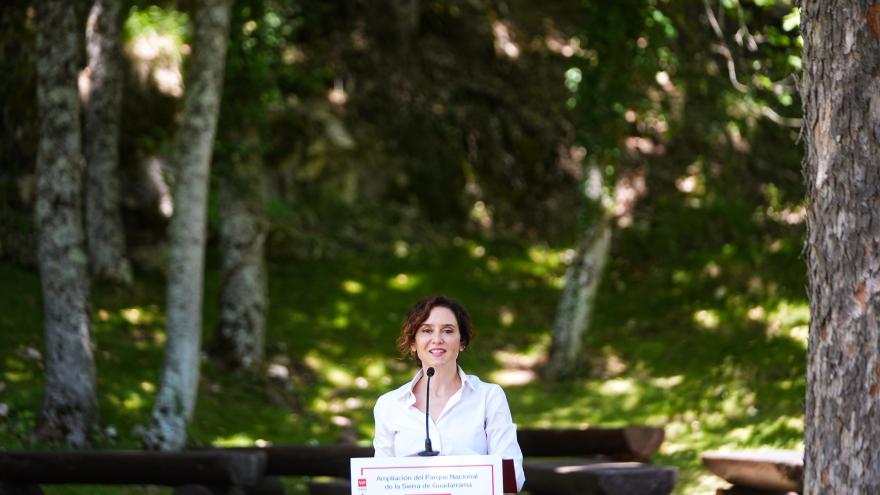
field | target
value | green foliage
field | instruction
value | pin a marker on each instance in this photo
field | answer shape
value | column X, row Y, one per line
column 153, row 20
column 18, row 129
column 356, row 114
column 436, row 122
column 650, row 70
column 792, row 20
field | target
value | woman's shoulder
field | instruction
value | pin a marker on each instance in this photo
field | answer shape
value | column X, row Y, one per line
column 484, row 387
column 491, row 394
column 395, row 394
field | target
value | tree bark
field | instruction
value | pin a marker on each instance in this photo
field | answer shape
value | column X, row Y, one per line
column 69, row 410
column 578, row 297
column 106, row 238
column 243, row 296
column 841, row 95
column 192, row 152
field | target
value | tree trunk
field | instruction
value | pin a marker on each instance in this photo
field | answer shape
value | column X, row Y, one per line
column 841, row 95
column 69, row 409
column 578, row 296
column 407, row 13
column 192, row 158
column 106, row 238
column 243, row 296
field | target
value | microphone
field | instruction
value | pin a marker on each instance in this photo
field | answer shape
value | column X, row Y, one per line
column 428, row 452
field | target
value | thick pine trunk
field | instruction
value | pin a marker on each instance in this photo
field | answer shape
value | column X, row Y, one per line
column 194, row 144
column 243, row 296
column 106, row 238
column 578, row 297
column 69, row 409
column 841, row 95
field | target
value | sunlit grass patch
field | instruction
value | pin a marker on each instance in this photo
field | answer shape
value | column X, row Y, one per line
column 236, row 440
column 133, row 401
column 352, row 286
column 329, row 372
column 791, row 319
column 404, row 281
column 707, row 319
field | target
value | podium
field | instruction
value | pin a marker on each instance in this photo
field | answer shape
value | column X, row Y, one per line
column 441, row 475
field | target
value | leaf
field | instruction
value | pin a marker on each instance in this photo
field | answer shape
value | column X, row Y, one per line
column 792, row 20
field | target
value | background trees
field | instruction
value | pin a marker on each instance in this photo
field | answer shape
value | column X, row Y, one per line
column 477, row 148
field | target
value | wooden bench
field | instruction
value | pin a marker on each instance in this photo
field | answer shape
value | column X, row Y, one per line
column 758, row 472
column 190, row 472
column 601, row 461
column 306, row 460
column 595, row 477
column 615, row 466
column 633, row 443
column 598, row 461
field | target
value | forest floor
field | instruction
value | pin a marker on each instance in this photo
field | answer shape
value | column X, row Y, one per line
column 708, row 343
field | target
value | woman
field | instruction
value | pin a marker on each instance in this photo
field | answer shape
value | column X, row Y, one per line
column 468, row 416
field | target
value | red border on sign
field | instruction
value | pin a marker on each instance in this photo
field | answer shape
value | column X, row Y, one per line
column 490, row 466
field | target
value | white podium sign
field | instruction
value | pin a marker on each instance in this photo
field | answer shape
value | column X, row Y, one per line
column 441, row 475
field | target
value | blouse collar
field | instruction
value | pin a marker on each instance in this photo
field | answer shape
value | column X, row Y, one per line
column 407, row 391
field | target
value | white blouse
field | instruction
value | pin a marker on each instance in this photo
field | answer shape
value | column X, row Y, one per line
column 475, row 421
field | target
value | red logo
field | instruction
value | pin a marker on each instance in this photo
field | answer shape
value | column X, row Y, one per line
column 362, row 482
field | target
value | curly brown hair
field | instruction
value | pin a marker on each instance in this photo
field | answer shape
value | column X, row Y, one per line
column 420, row 312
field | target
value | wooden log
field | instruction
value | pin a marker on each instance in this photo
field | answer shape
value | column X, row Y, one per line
column 19, row 489
column 741, row 490
column 598, row 478
column 330, row 487
column 780, row 470
column 129, row 467
column 208, row 490
column 269, row 485
column 310, row 460
column 630, row 443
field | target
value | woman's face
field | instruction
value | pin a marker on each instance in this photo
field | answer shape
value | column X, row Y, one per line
column 438, row 340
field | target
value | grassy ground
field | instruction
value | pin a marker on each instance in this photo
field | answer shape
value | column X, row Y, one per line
column 704, row 335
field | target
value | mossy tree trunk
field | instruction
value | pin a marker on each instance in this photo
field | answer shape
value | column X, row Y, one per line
column 576, row 305
column 841, row 95
column 191, row 156
column 106, row 237
column 575, row 309
column 69, row 410
column 241, row 332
